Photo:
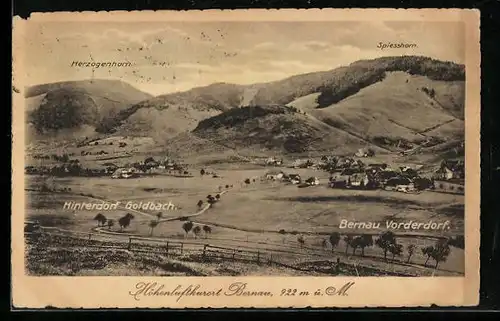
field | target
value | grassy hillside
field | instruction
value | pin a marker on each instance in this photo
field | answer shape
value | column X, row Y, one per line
column 174, row 113
column 71, row 105
column 370, row 102
column 274, row 128
column 340, row 83
column 401, row 106
column 311, row 91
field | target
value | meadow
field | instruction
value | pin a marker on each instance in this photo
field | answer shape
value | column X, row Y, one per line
column 263, row 214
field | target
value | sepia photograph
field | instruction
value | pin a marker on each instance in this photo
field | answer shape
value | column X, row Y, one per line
column 244, row 149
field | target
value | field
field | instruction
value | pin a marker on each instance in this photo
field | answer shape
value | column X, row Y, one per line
column 264, row 215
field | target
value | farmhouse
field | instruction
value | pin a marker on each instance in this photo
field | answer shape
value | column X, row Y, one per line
column 400, row 184
column 450, row 169
column 294, row 178
column 342, row 179
column 312, row 181
column 274, row 175
column 443, row 173
column 125, row 173
column 359, row 180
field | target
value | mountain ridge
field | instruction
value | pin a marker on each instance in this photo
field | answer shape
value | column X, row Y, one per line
column 363, row 100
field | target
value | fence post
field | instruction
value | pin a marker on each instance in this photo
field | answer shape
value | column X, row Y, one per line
column 270, row 259
column 234, row 253
column 182, row 248
column 129, row 243
column 204, row 250
column 258, row 256
column 167, row 249
column 90, row 236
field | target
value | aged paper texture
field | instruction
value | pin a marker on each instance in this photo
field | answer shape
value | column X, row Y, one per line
column 246, row 158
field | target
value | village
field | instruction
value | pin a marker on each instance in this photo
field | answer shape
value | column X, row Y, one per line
column 349, row 173
column 345, row 172
column 322, row 188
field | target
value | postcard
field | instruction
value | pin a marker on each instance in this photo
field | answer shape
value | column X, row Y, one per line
column 246, row 158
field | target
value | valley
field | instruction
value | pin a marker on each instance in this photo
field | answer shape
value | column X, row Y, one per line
column 270, row 167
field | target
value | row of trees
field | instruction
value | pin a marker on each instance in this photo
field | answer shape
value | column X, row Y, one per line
column 196, row 229
column 123, row 221
column 210, row 200
column 387, row 241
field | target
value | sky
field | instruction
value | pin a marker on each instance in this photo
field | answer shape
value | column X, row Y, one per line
column 168, row 57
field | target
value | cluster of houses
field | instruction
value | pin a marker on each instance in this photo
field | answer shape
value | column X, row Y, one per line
column 149, row 165
column 354, row 174
column 72, row 168
column 347, row 172
column 327, row 163
column 101, row 152
column 294, row 179
column 375, row 176
column 95, row 142
column 129, row 172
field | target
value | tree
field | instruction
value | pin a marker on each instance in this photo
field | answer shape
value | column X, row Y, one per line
column 247, row 181
column 355, row 243
column 217, row 196
column 101, row 219
column 440, row 252
column 385, row 241
column 202, row 172
column 125, row 221
column 334, row 240
column 110, row 223
column 301, row 240
column 347, row 240
column 395, row 249
column 207, row 229
column 200, row 204
column 187, row 226
column 366, row 241
column 152, row 224
column 427, row 251
column 410, row 249
column 159, row 215
column 197, row 231
column 211, row 200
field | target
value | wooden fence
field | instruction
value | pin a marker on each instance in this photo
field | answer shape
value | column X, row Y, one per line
column 161, row 246
column 196, row 251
